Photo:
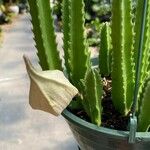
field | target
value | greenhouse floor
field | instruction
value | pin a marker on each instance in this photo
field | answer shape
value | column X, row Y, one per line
column 22, row 128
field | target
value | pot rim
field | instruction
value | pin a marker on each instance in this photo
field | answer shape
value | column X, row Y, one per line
column 111, row 132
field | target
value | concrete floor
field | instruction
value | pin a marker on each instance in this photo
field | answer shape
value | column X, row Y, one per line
column 22, row 128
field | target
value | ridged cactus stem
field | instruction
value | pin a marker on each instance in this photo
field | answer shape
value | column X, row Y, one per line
column 66, row 17
column 122, row 65
column 144, row 111
column 44, row 34
column 80, row 59
column 105, row 50
column 146, row 48
column 92, row 95
column 37, row 31
column 146, row 43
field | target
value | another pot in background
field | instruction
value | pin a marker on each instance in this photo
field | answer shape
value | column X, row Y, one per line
column 13, row 9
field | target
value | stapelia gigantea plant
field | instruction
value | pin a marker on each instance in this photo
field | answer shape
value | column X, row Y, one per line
column 118, row 55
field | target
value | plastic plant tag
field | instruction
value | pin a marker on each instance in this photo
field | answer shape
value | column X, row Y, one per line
column 50, row 91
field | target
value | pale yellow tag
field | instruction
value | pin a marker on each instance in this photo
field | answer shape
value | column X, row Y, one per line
column 50, row 91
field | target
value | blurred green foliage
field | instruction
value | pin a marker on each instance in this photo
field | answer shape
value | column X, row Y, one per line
column 96, row 11
column 93, row 8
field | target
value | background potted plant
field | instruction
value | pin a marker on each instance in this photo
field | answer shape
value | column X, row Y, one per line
column 12, row 6
column 123, row 66
column 4, row 15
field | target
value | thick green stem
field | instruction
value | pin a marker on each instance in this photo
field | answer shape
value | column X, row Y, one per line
column 92, row 95
column 44, row 34
column 66, row 17
column 122, row 65
column 80, row 59
column 105, row 50
column 144, row 111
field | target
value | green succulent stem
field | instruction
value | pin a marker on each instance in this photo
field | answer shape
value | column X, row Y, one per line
column 92, row 95
column 66, row 17
column 144, row 111
column 44, row 34
column 122, row 65
column 146, row 43
column 105, row 50
column 80, row 58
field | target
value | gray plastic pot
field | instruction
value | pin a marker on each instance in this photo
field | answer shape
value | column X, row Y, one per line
column 91, row 137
